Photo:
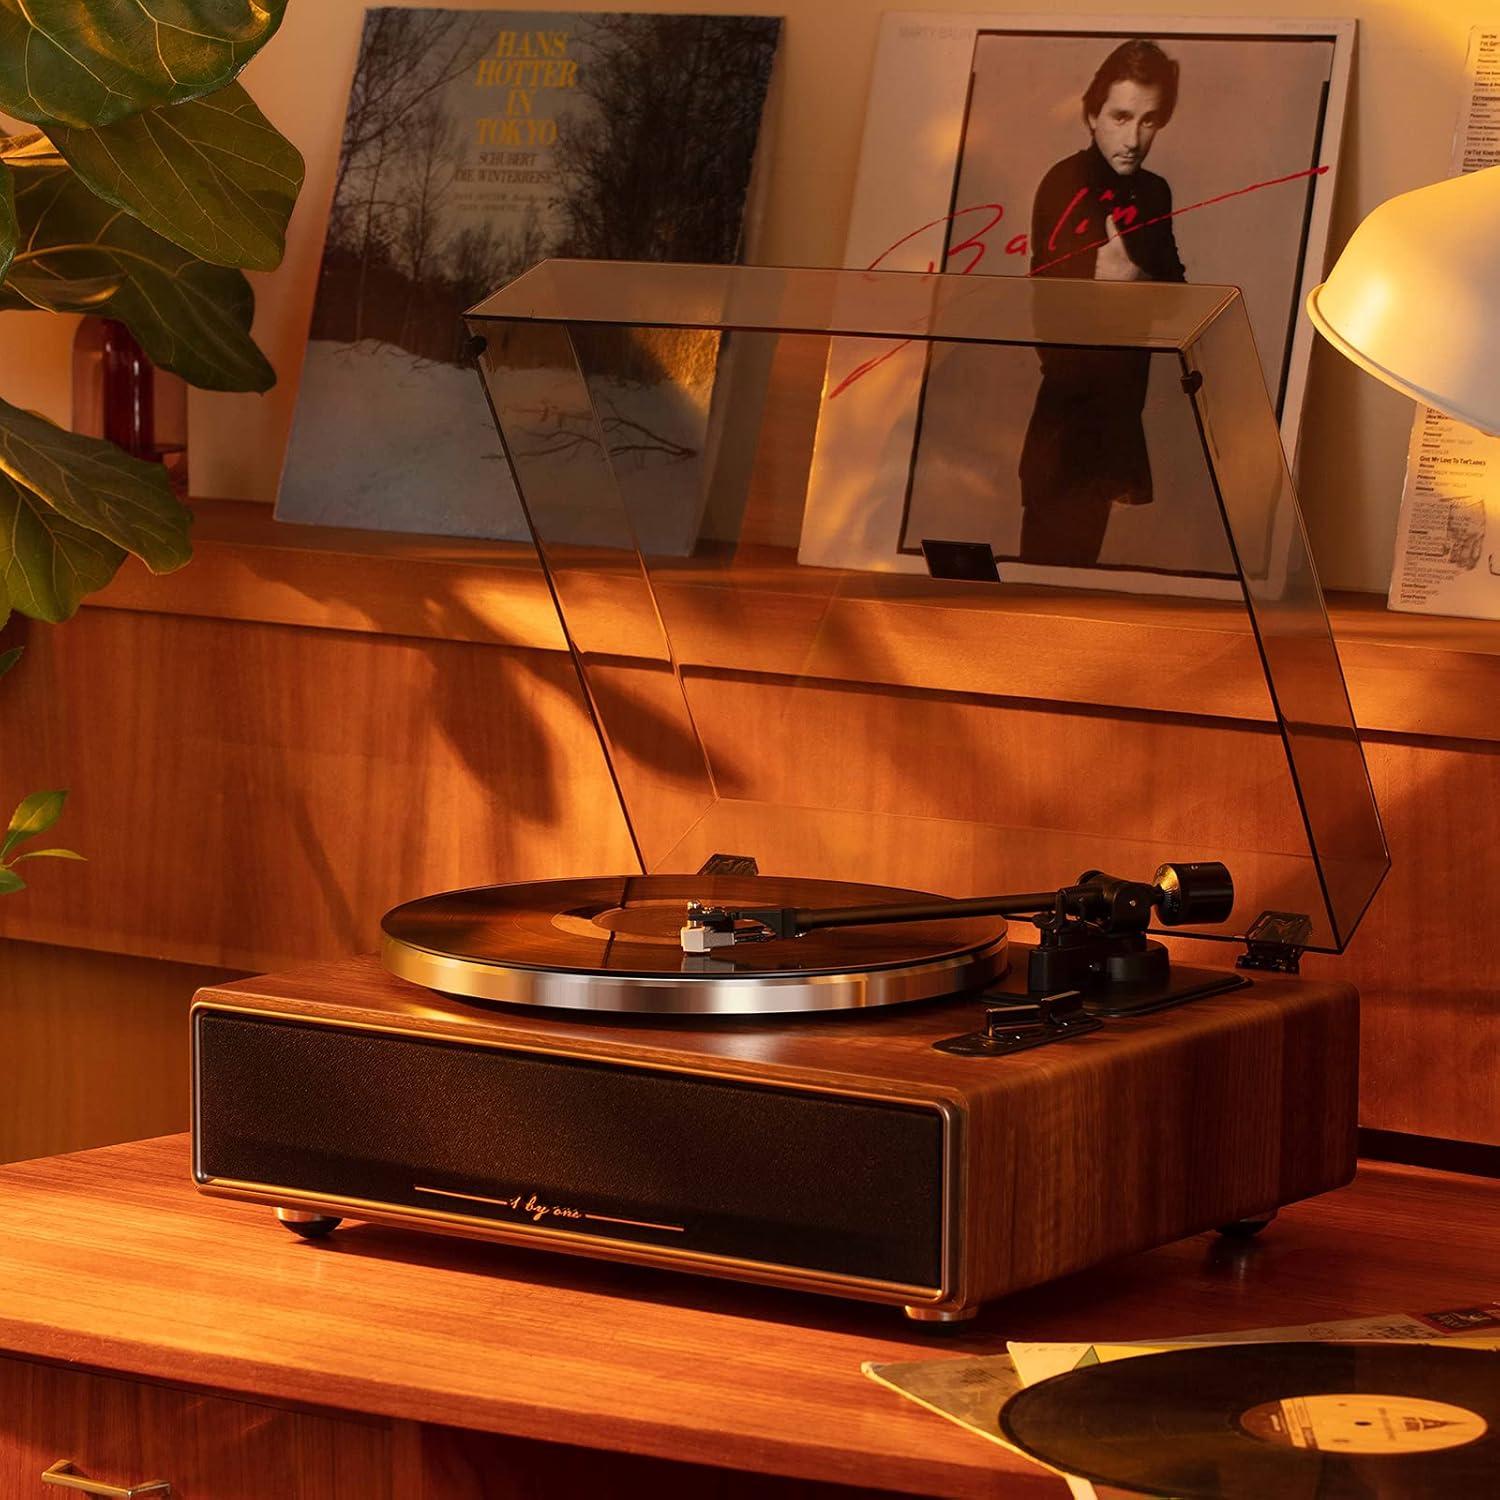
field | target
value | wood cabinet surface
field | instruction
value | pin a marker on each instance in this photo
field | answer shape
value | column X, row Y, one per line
column 113, row 1263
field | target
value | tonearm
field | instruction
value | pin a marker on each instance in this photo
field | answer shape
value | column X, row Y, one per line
column 1093, row 930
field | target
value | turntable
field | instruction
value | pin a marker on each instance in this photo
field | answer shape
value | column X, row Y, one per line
column 894, row 1006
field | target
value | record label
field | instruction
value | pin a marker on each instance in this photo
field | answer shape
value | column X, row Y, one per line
column 1359, row 1422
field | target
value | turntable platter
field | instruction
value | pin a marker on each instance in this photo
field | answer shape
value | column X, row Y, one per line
column 611, row 944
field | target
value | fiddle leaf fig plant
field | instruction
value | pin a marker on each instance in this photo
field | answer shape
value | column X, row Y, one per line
column 212, row 175
column 147, row 183
column 91, row 62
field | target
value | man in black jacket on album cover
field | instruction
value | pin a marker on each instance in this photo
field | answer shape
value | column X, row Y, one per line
column 1085, row 448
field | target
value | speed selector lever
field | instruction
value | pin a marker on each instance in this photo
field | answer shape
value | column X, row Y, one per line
column 1020, row 1024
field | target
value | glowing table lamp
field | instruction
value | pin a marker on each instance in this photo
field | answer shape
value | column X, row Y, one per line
column 1415, row 297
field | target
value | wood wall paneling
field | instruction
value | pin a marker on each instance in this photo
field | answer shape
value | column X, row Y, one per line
column 251, row 796
column 308, row 779
column 307, row 726
column 95, row 1045
column 1427, row 956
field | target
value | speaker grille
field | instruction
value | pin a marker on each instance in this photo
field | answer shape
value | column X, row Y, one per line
column 818, row 1182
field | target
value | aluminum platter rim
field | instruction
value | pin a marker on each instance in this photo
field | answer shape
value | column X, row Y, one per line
column 498, row 944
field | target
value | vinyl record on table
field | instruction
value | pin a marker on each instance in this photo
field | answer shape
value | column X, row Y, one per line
column 1380, row 1421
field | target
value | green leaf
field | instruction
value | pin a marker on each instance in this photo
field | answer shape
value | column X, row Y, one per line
column 37, row 289
column 47, row 563
column 33, row 815
column 49, row 854
column 8, row 659
column 97, row 487
column 90, row 62
column 213, row 175
column 189, row 317
column 7, row 219
column 10, row 882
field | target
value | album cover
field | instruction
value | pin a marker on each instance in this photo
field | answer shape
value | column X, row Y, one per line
column 1113, row 150
column 475, row 144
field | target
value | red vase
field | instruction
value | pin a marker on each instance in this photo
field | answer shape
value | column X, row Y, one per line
column 118, row 394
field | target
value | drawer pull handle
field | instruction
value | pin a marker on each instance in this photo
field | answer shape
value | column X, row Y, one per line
column 61, row 1474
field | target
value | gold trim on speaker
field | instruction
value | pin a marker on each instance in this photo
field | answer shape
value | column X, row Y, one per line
column 596, row 1247
column 514, row 1203
column 587, row 1243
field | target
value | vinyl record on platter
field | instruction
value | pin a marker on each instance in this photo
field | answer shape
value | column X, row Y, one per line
column 614, row 944
column 1380, row 1421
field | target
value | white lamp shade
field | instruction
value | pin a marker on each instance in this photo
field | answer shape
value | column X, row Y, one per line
column 1415, row 297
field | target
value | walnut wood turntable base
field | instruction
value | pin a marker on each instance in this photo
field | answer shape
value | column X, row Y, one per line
column 1054, row 1159
column 148, row 1332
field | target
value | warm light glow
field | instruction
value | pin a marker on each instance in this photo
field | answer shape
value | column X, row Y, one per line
column 1415, row 297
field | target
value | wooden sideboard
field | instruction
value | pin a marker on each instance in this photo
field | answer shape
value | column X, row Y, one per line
column 149, row 1333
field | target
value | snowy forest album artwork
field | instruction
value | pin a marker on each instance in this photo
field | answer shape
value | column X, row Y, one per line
column 475, row 144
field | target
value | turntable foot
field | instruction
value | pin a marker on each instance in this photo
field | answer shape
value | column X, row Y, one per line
column 941, row 1319
column 1246, row 1229
column 309, row 1226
